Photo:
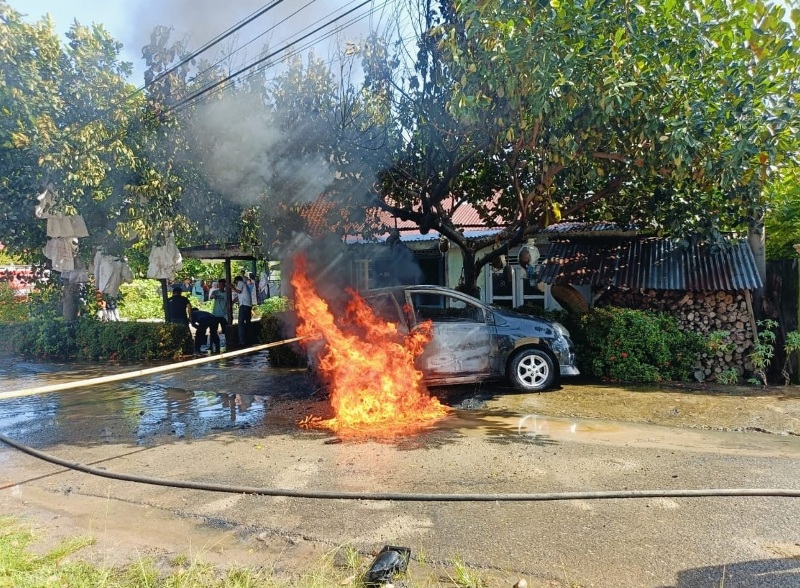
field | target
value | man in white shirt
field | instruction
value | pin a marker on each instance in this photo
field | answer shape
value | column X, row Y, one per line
column 245, row 307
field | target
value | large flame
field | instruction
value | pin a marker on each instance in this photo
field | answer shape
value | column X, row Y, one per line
column 367, row 363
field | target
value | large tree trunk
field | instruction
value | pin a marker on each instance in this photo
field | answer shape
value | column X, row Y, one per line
column 469, row 285
column 69, row 308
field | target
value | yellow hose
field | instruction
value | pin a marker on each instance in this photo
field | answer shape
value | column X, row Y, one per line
column 138, row 373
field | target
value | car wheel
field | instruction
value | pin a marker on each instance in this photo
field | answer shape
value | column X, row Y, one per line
column 532, row 370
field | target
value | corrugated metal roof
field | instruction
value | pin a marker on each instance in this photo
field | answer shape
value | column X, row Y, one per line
column 651, row 263
column 577, row 227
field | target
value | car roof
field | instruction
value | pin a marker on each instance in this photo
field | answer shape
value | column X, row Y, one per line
column 398, row 291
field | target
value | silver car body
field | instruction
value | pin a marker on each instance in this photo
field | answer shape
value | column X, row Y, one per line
column 471, row 341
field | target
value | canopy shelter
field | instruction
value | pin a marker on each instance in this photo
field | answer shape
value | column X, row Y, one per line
column 225, row 252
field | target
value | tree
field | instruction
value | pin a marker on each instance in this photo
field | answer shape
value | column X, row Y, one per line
column 406, row 153
column 666, row 115
column 783, row 216
column 68, row 116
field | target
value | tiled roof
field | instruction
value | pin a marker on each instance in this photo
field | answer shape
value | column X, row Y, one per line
column 651, row 263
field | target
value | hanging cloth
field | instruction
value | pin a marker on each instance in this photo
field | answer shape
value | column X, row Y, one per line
column 165, row 260
column 62, row 252
column 59, row 225
column 110, row 272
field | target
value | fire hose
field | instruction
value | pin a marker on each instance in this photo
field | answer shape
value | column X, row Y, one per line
column 404, row 497
column 138, row 373
column 335, row 495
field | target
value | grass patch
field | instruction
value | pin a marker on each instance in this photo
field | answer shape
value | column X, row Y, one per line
column 61, row 566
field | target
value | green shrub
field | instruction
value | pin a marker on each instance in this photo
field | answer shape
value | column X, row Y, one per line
column 141, row 299
column 131, row 341
column 274, row 305
column 43, row 338
column 13, row 309
column 88, row 338
column 636, row 346
column 273, row 329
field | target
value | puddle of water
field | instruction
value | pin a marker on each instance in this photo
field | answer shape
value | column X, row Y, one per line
column 236, row 395
column 188, row 403
column 540, row 429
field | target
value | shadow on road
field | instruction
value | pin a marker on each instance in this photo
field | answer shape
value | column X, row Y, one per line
column 764, row 573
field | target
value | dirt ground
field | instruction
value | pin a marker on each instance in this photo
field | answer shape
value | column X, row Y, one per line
column 479, row 449
column 771, row 409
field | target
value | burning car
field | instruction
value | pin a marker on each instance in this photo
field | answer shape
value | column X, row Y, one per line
column 472, row 341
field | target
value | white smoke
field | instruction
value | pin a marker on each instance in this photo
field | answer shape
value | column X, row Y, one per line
column 247, row 159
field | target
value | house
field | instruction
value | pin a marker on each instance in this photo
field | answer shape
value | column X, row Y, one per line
column 399, row 253
column 580, row 266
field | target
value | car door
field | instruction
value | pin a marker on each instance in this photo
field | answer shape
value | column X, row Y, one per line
column 460, row 345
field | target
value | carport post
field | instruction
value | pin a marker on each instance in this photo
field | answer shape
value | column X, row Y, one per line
column 164, row 299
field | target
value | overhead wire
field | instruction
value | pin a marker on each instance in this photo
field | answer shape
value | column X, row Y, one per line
column 257, row 70
column 215, row 41
column 209, row 88
column 254, row 39
column 251, row 70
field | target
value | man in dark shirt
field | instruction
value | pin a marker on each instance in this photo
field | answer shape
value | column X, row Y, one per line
column 179, row 309
column 204, row 321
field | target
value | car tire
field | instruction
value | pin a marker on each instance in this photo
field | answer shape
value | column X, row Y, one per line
column 532, row 370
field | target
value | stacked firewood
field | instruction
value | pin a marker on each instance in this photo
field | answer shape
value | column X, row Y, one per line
column 704, row 313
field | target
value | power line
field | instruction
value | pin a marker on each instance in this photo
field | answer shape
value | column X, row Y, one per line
column 293, row 53
column 230, row 80
column 270, row 55
column 254, row 39
column 216, row 40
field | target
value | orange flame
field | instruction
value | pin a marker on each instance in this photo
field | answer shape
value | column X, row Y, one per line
column 367, row 363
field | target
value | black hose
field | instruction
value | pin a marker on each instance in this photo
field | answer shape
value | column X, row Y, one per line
column 330, row 495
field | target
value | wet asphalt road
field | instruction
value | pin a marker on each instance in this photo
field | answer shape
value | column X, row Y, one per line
column 235, row 423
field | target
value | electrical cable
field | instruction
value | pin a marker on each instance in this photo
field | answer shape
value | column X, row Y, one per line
column 284, row 58
column 270, row 55
column 406, row 497
column 216, row 40
column 257, row 70
column 254, row 39
column 252, row 70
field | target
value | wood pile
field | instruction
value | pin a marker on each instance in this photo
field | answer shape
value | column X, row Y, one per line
column 703, row 313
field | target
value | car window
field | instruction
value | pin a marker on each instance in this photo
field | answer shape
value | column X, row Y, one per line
column 384, row 306
column 441, row 307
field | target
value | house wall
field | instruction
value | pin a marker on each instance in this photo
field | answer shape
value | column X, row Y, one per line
column 701, row 312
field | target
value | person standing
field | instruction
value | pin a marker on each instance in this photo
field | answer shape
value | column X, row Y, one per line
column 220, row 298
column 245, row 308
column 179, row 309
column 203, row 322
column 197, row 291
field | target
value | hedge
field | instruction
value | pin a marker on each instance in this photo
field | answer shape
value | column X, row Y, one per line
column 89, row 339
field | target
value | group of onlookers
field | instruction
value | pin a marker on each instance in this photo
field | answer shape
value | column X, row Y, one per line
column 107, row 307
column 208, row 324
